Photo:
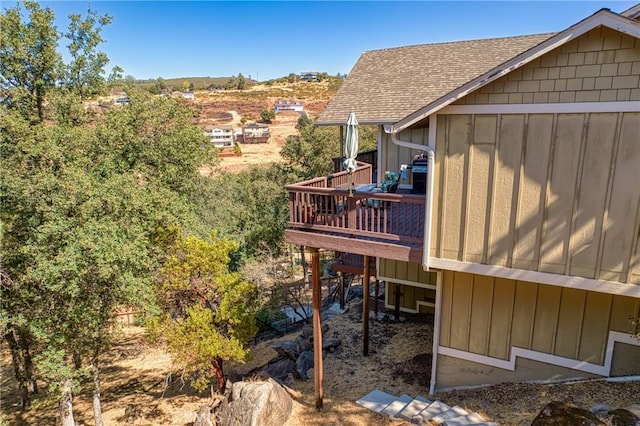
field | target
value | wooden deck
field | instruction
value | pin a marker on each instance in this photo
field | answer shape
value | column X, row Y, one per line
column 341, row 213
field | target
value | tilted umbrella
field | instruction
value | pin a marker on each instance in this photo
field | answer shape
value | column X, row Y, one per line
column 351, row 147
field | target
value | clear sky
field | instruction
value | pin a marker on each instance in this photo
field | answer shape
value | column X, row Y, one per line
column 267, row 40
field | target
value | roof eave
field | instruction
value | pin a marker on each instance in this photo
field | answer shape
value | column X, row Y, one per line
column 360, row 122
column 602, row 17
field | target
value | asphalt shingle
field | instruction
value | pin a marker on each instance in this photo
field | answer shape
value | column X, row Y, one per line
column 387, row 85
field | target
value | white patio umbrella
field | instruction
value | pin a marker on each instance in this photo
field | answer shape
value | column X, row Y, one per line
column 351, row 147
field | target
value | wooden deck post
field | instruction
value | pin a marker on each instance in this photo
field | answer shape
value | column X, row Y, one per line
column 375, row 300
column 365, row 308
column 397, row 301
column 317, row 326
column 342, row 281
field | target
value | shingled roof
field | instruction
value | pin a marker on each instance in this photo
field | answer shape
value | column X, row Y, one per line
column 387, row 85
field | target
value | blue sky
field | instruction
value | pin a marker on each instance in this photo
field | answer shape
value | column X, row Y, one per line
column 266, row 40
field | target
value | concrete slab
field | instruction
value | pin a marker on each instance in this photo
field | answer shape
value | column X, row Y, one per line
column 397, row 406
column 413, row 409
column 423, row 399
column 432, row 410
column 376, row 400
column 450, row 414
column 469, row 419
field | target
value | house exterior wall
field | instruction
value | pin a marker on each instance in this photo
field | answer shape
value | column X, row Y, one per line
column 417, row 287
column 556, row 193
column 392, row 155
column 491, row 316
column 602, row 65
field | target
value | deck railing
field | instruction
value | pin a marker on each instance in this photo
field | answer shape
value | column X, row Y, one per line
column 330, row 204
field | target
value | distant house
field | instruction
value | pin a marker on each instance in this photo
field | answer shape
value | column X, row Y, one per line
column 255, row 133
column 309, row 76
column 186, row 95
column 288, row 105
column 220, row 136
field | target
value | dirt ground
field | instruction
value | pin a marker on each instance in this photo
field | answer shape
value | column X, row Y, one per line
column 138, row 388
column 231, row 108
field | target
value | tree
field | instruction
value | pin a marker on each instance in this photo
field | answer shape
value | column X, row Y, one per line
column 81, row 208
column 158, row 87
column 251, row 207
column 266, row 115
column 208, row 312
column 310, row 154
column 84, row 71
column 30, row 66
column 241, row 82
column 187, row 86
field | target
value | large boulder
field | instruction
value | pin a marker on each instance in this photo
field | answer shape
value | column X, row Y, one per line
column 331, row 344
column 304, row 343
column 256, row 404
column 287, row 348
column 560, row 413
column 623, row 417
column 203, row 417
column 303, row 364
column 281, row 369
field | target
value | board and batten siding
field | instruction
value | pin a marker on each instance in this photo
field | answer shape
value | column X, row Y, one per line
column 556, row 192
column 417, row 287
column 488, row 316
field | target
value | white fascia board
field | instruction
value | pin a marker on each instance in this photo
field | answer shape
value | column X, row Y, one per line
column 580, row 283
column 632, row 13
column 602, row 17
column 510, row 364
column 406, row 282
column 362, row 123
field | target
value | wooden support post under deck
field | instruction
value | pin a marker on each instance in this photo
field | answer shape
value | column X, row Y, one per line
column 342, row 280
column 375, row 301
column 317, row 326
column 397, row 301
column 365, row 308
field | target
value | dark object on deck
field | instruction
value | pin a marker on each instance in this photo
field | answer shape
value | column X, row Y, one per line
column 419, row 171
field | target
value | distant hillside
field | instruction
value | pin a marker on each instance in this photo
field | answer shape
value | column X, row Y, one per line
column 199, row 83
column 205, row 83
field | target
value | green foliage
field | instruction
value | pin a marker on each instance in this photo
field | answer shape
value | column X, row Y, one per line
column 187, row 86
column 310, row 154
column 158, row 87
column 84, row 72
column 82, row 203
column 250, row 207
column 266, row 115
column 208, row 312
column 30, row 66
column 237, row 83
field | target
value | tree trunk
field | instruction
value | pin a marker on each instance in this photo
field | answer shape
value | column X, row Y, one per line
column 66, row 405
column 217, row 370
column 77, row 360
column 97, row 407
column 19, row 368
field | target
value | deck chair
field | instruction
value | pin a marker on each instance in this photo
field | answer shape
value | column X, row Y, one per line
column 388, row 185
